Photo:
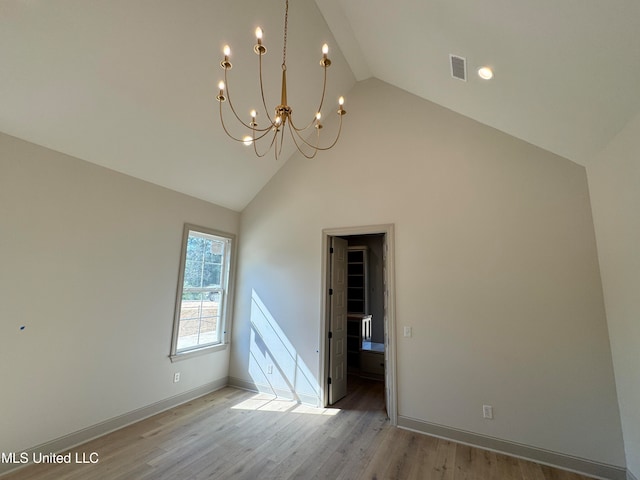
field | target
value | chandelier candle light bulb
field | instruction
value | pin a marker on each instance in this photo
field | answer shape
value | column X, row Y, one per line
column 225, row 63
column 221, row 97
column 258, row 47
column 325, row 62
column 283, row 112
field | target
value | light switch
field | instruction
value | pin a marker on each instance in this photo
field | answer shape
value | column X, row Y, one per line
column 407, row 331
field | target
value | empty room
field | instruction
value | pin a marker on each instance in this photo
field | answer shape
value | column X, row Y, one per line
column 331, row 239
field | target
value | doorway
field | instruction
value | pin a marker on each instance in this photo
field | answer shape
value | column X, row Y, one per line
column 362, row 333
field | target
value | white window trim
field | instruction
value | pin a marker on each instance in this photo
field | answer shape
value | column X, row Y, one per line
column 225, row 316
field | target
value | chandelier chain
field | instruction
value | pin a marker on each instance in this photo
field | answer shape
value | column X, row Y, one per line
column 284, row 48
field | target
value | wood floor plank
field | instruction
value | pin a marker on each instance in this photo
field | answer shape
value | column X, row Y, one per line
column 403, row 454
column 551, row 473
column 425, row 458
column 530, row 470
column 240, row 435
column 380, row 457
column 508, row 467
column 464, row 469
column 484, row 464
column 444, row 465
column 352, row 449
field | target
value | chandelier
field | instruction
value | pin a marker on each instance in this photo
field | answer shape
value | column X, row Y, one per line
column 272, row 130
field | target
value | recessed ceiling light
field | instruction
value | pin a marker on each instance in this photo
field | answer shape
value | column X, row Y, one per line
column 485, row 73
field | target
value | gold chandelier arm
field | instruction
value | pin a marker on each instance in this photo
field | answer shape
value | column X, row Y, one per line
column 266, row 130
column 295, row 134
column 278, row 148
column 253, row 139
column 224, row 127
column 315, row 147
column 324, row 87
column 260, row 137
column 226, row 86
column 255, row 147
column 264, row 103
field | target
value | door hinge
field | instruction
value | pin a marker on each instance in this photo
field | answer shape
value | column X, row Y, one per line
column 330, row 334
column 331, row 250
column 329, row 380
column 331, row 291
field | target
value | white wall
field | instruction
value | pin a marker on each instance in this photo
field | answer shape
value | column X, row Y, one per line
column 614, row 182
column 496, row 271
column 88, row 265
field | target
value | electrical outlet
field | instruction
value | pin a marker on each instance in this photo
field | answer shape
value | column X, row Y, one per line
column 487, row 412
column 269, row 369
column 176, row 377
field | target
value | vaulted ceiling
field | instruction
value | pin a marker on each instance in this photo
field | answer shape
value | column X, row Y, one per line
column 131, row 84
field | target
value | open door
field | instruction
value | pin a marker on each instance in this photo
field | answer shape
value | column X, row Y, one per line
column 385, row 299
column 338, row 319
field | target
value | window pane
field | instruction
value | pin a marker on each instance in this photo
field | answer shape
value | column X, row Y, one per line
column 211, row 274
column 199, row 319
column 204, row 261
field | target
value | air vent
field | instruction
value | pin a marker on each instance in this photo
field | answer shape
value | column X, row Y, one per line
column 458, row 67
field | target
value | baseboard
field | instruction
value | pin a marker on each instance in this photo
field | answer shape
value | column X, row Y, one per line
column 74, row 439
column 631, row 476
column 538, row 455
column 303, row 398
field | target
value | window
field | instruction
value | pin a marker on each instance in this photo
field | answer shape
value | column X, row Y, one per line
column 203, row 291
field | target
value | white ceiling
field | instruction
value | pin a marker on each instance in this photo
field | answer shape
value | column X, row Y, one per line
column 131, row 84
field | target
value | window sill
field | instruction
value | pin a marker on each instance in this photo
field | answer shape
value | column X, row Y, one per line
column 198, row 352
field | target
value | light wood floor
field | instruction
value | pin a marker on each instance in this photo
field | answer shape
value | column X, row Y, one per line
column 234, row 434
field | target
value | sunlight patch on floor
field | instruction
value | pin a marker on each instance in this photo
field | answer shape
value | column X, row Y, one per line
column 267, row 403
column 309, row 410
